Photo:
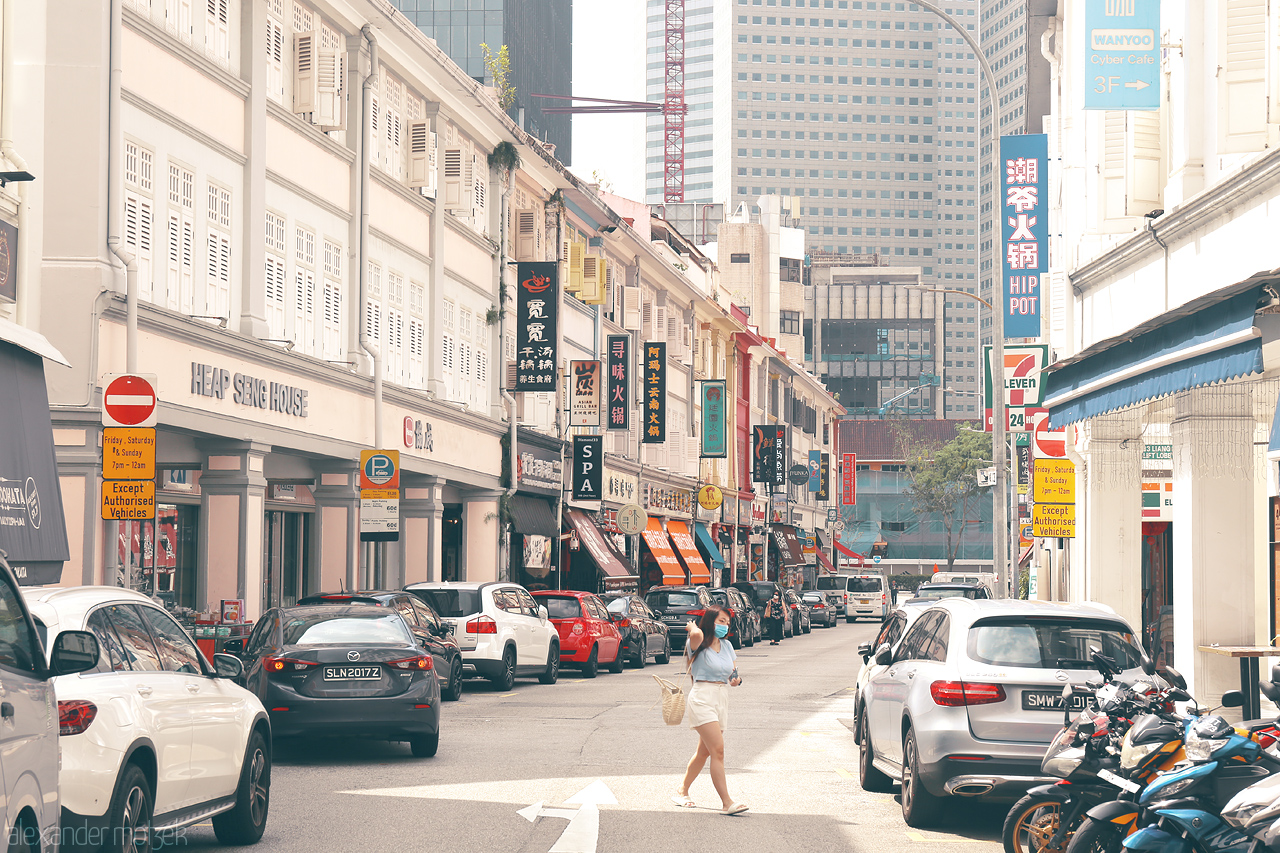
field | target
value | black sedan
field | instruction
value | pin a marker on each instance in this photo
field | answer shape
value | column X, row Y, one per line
column 800, row 623
column 431, row 632
column 739, row 625
column 344, row 671
column 643, row 634
column 821, row 610
column 677, row 606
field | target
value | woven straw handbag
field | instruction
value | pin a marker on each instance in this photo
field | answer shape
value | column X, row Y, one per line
column 673, row 701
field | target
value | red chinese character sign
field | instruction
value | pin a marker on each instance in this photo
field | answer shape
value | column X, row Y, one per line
column 655, row 393
column 849, row 480
column 537, row 310
column 1024, row 195
column 617, row 403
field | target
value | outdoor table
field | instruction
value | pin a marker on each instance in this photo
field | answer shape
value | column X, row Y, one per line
column 1248, row 656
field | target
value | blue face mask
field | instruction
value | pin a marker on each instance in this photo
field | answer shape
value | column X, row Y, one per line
column 722, row 631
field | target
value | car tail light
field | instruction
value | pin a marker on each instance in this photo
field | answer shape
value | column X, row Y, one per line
column 482, row 625
column 577, row 628
column 286, row 665
column 695, row 613
column 623, row 623
column 954, row 694
column 75, row 715
column 419, row 663
column 795, row 607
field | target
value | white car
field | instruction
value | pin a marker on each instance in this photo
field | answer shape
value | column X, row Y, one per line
column 29, row 727
column 501, row 630
column 890, row 633
column 153, row 737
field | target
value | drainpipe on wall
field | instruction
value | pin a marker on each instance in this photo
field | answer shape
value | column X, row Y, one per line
column 24, row 310
column 375, row 355
column 115, row 194
column 504, row 566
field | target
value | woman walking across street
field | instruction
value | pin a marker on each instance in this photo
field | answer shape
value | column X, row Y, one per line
column 711, row 666
column 774, row 612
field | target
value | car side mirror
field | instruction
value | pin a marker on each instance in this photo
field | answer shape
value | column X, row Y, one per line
column 542, row 613
column 864, row 649
column 1232, row 699
column 73, row 651
column 884, row 655
column 234, row 647
column 227, row 666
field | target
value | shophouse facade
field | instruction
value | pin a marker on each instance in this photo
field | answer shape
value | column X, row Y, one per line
column 1163, row 301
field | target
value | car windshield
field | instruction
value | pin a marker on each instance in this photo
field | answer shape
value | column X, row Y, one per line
column 762, row 593
column 316, row 629
column 449, row 601
column 664, row 600
column 618, row 605
column 719, row 596
column 561, row 606
column 1050, row 642
column 865, row 585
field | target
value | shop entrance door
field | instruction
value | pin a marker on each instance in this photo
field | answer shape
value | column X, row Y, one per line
column 1157, row 590
column 286, row 558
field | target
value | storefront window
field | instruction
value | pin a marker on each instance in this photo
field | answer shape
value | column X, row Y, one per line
column 159, row 557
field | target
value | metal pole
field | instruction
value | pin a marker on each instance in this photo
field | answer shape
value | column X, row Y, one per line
column 1000, row 513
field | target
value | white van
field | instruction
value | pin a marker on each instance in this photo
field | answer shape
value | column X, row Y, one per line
column 833, row 586
column 866, row 596
column 987, row 579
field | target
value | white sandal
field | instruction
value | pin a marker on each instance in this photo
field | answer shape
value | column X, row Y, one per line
column 683, row 801
column 736, row 808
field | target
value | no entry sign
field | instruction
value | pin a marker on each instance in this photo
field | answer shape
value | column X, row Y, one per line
column 129, row 400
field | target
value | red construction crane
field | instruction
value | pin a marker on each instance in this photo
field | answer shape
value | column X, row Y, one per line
column 673, row 107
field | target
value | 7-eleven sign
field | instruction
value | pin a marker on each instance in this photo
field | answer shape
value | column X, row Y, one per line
column 1022, row 381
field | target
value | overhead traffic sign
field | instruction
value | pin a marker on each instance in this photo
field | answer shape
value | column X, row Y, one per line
column 1122, row 54
column 129, row 400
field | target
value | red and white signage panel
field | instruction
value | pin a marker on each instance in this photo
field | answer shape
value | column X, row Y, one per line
column 849, row 480
column 129, row 400
column 1050, row 444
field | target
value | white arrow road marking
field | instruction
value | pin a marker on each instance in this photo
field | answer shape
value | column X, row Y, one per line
column 595, row 794
column 535, row 811
column 582, row 833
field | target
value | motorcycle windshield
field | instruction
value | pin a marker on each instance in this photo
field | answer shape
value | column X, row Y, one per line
column 1256, row 805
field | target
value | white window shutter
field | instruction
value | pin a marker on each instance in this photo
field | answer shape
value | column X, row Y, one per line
column 332, row 333
column 173, row 262
column 565, row 252
column 420, row 139
column 304, row 325
column 1145, row 172
column 146, row 280
column 275, row 59
column 328, row 66
column 479, row 191
column 416, row 363
column 447, row 361
column 1242, row 87
column 1112, row 177
column 433, row 148
column 217, row 41
column 306, row 90
column 275, row 284
column 631, row 308
column 659, row 324
column 456, row 196
column 526, row 234
column 373, row 320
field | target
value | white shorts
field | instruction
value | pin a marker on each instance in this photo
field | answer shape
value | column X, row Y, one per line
column 707, row 703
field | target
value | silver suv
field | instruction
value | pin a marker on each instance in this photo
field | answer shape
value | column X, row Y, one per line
column 966, row 703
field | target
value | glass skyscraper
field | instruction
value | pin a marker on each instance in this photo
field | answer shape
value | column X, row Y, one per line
column 539, row 39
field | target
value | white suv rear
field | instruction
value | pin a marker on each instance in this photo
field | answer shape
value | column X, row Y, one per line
column 153, row 738
column 501, row 630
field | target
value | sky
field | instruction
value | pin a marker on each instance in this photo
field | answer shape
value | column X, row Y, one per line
column 608, row 62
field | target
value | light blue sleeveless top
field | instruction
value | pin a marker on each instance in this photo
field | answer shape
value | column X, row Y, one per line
column 714, row 666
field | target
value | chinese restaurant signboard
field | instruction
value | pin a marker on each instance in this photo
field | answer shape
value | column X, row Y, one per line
column 715, row 440
column 1025, row 230
column 619, row 388
column 537, row 304
column 655, row 393
column 584, row 393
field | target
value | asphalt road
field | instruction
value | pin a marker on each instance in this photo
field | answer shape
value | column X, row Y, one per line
column 789, row 751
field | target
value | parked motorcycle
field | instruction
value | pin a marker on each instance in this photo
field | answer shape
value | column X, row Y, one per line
column 1097, row 754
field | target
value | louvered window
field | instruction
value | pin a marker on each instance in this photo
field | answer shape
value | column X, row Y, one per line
column 217, row 40
column 304, row 284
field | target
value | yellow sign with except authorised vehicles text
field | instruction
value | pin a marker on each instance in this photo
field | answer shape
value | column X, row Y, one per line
column 1054, row 520
column 128, row 500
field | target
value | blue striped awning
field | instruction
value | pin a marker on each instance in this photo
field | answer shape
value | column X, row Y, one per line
column 1210, row 339
column 710, row 549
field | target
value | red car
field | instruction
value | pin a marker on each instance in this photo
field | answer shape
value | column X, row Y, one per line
column 588, row 638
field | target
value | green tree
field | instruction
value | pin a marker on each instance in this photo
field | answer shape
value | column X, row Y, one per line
column 944, row 481
column 499, row 67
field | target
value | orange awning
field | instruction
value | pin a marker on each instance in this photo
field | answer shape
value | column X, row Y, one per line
column 698, row 571
column 660, row 546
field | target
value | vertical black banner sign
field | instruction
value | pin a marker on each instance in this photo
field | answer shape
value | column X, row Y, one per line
column 655, row 393
column 768, row 455
column 618, row 400
column 537, row 301
column 824, row 478
column 588, row 467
